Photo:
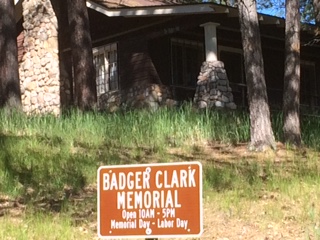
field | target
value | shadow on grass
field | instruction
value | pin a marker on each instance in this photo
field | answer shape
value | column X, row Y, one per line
column 26, row 170
column 233, row 167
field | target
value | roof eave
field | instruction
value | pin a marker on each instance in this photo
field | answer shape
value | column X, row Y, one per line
column 153, row 10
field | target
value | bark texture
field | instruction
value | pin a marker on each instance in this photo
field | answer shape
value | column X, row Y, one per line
column 261, row 133
column 84, row 73
column 316, row 7
column 10, row 95
column 291, row 96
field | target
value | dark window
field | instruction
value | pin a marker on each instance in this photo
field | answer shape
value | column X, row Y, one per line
column 233, row 63
column 309, row 89
column 187, row 57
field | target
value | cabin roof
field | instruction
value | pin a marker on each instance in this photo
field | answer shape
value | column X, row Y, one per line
column 135, row 3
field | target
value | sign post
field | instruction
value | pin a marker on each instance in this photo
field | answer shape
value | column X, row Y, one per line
column 150, row 201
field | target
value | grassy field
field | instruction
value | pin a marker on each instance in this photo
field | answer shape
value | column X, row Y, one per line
column 48, row 171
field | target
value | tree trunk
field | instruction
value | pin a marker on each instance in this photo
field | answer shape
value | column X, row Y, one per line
column 10, row 94
column 316, row 7
column 261, row 133
column 291, row 96
column 84, row 72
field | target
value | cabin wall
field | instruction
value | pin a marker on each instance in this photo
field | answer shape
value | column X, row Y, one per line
column 139, row 81
column 145, row 60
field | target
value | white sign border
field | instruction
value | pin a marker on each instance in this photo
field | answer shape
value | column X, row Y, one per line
column 151, row 165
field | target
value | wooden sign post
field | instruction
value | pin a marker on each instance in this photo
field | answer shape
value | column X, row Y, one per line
column 150, row 201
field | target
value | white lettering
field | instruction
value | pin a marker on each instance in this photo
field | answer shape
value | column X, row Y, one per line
column 165, row 223
column 114, row 183
column 123, row 225
column 141, row 180
column 148, row 199
column 169, row 200
column 138, row 180
column 176, row 203
column 158, row 184
column 156, row 198
column 105, row 181
column 128, row 215
column 166, row 185
column 122, row 181
column 174, row 180
column 183, row 178
column 138, row 199
column 146, row 213
column 130, row 183
column 144, row 224
column 129, row 200
column 146, row 180
column 121, row 198
column 192, row 182
column 168, row 213
column 182, row 223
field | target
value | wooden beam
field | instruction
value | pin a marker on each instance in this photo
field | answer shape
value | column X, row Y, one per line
column 233, row 13
column 220, row 9
column 269, row 20
column 161, row 10
column 18, row 9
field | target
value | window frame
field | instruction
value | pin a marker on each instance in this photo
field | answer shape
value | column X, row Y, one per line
column 312, row 94
column 104, row 85
column 242, row 85
column 183, row 43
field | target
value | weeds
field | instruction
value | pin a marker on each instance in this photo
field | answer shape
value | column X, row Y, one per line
column 47, row 155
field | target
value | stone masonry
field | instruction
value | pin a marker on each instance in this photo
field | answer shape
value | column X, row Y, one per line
column 39, row 69
column 149, row 96
column 213, row 88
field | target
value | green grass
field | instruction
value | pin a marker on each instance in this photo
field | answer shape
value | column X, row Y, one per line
column 42, row 156
column 52, row 152
column 40, row 226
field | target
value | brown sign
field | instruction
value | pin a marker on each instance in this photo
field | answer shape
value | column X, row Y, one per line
column 150, row 200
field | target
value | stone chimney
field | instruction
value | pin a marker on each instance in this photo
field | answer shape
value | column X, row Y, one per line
column 39, row 69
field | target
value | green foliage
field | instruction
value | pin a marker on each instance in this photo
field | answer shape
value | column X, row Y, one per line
column 277, row 8
column 47, row 154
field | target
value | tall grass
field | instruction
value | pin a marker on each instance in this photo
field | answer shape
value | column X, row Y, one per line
column 46, row 156
column 46, row 152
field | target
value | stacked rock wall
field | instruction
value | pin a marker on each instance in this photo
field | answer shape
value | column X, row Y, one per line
column 39, row 69
column 150, row 96
column 213, row 88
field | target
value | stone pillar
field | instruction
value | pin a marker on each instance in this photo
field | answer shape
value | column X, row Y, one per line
column 39, row 69
column 213, row 90
column 210, row 35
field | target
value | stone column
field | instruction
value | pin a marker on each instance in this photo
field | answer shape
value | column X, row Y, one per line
column 39, row 69
column 213, row 90
column 210, row 35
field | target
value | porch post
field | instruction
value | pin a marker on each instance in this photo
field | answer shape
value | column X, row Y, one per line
column 210, row 34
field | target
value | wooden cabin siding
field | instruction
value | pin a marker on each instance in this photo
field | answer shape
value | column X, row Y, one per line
column 21, row 50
